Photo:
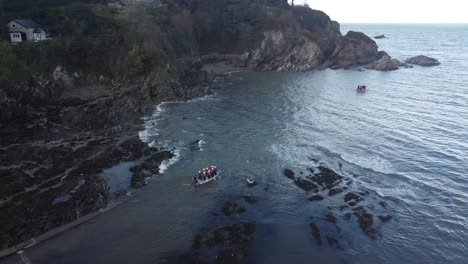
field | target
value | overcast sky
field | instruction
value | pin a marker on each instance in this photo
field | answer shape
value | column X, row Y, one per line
column 393, row 11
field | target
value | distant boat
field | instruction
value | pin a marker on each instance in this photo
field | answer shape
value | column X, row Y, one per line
column 361, row 88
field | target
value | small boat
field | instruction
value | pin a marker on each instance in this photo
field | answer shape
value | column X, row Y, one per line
column 361, row 88
column 214, row 178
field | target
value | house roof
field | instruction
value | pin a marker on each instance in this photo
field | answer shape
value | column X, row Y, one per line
column 27, row 23
column 37, row 30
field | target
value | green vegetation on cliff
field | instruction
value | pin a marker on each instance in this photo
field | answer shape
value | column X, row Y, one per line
column 156, row 41
column 90, row 37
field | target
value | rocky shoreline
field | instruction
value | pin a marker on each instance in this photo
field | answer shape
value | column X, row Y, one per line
column 61, row 131
column 54, row 155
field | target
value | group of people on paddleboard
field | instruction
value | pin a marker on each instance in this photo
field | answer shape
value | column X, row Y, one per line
column 205, row 174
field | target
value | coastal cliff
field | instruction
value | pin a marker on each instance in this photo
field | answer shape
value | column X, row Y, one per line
column 73, row 105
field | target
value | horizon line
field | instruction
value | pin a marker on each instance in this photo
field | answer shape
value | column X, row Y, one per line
column 416, row 23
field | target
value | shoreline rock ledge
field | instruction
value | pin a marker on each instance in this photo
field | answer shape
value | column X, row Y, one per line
column 422, row 60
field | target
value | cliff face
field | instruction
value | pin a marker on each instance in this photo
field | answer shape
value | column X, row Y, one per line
column 78, row 114
column 356, row 49
column 301, row 39
column 322, row 46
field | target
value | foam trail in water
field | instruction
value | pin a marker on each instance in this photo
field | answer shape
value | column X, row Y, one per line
column 376, row 163
column 151, row 129
column 200, row 144
column 167, row 163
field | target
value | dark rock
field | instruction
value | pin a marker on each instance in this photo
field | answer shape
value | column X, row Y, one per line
column 357, row 49
column 133, row 149
column 289, row 173
column 137, row 180
column 316, row 198
column 330, row 218
column 398, row 63
column 379, row 36
column 194, row 145
column 228, row 244
column 253, row 184
column 333, row 242
column 423, row 61
column 366, row 222
column 335, row 191
column 383, row 204
column 305, row 184
column 384, row 64
column 381, row 54
column 149, row 167
column 231, row 208
column 352, row 197
column 316, row 233
column 250, row 198
column 343, row 207
column 326, row 177
column 347, row 216
column 385, row 218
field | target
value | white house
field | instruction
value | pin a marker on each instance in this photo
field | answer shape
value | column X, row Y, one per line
column 25, row 30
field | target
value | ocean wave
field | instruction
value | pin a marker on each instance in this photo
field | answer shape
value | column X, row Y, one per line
column 150, row 123
column 167, row 163
column 200, row 144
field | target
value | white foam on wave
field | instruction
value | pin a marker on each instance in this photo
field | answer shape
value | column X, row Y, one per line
column 291, row 156
column 151, row 123
column 198, row 99
column 151, row 130
column 374, row 163
column 167, row 163
column 200, row 144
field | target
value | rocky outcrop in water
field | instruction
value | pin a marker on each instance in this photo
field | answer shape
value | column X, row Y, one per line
column 422, row 60
column 222, row 240
column 332, row 188
column 289, row 51
column 357, row 49
column 386, row 63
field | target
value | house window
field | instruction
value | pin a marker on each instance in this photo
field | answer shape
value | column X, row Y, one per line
column 13, row 25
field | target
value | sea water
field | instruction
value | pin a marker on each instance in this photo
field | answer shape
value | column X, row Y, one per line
column 404, row 142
